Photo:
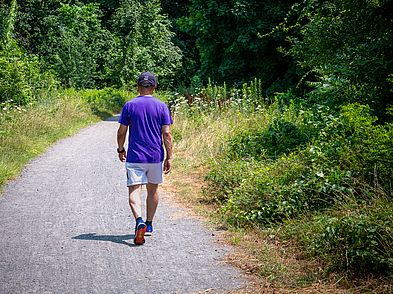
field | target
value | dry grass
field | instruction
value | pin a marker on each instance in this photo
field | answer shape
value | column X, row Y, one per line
column 26, row 133
column 203, row 138
column 184, row 189
column 271, row 265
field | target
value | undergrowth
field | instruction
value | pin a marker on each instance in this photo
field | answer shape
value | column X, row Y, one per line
column 317, row 175
column 28, row 130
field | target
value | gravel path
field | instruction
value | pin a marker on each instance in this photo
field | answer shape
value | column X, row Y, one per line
column 65, row 227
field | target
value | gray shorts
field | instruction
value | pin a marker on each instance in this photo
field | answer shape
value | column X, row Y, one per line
column 143, row 173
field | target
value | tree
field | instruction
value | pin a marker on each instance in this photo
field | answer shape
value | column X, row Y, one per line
column 187, row 43
column 77, row 47
column 227, row 36
column 346, row 46
column 20, row 74
column 146, row 42
column 30, row 29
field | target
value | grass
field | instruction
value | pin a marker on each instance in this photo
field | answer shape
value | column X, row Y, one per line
column 257, row 254
column 274, row 262
column 201, row 138
column 26, row 132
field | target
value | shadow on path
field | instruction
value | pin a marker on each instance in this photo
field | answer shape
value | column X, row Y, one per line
column 119, row 239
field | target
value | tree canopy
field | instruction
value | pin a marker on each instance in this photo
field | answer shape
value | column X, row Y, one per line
column 341, row 50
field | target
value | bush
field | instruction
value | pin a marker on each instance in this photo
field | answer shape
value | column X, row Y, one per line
column 225, row 176
column 22, row 80
column 315, row 171
column 348, row 157
column 355, row 240
column 280, row 137
column 266, row 196
column 106, row 101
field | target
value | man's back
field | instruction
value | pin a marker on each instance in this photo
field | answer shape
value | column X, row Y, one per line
column 145, row 116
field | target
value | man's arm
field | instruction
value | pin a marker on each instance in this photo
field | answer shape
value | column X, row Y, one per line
column 121, row 138
column 168, row 142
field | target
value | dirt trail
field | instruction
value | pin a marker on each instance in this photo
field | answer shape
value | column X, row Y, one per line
column 65, row 227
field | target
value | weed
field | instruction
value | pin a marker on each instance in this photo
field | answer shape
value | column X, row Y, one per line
column 311, row 172
column 27, row 131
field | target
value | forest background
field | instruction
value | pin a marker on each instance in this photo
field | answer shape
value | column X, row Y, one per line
column 286, row 106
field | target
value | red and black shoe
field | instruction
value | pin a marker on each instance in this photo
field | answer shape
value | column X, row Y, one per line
column 140, row 231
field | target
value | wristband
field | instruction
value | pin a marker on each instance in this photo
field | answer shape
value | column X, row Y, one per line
column 121, row 151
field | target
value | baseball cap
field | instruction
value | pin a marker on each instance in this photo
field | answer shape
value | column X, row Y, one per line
column 147, row 79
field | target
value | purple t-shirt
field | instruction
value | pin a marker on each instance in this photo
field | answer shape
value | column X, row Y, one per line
column 145, row 116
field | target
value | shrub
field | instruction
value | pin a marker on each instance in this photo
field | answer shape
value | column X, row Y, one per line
column 348, row 157
column 280, row 137
column 225, row 176
column 355, row 240
column 104, row 102
column 265, row 196
column 316, row 171
column 353, row 143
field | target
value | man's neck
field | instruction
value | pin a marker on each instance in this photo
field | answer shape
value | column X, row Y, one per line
column 146, row 91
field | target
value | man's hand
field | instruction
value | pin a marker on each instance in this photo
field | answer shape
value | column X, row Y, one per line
column 123, row 156
column 167, row 165
column 121, row 137
column 168, row 142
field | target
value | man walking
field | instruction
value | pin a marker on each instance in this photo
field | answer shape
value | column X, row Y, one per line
column 148, row 120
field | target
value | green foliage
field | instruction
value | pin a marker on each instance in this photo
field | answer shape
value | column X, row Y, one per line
column 226, row 176
column 30, row 24
column 146, row 42
column 77, row 47
column 13, row 70
column 346, row 46
column 227, row 38
column 332, row 191
column 186, row 43
column 281, row 137
column 104, row 102
column 21, row 78
column 347, row 156
column 300, row 163
column 99, row 43
column 355, row 240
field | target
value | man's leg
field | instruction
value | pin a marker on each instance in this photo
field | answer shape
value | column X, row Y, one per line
column 136, row 208
column 134, row 199
column 151, row 200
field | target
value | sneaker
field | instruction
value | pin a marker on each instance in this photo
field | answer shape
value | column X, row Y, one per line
column 149, row 229
column 140, row 230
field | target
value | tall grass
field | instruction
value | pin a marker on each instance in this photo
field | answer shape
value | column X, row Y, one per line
column 27, row 131
column 202, row 138
column 312, row 174
column 207, row 117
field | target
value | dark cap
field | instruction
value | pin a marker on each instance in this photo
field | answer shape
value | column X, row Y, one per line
column 147, row 79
